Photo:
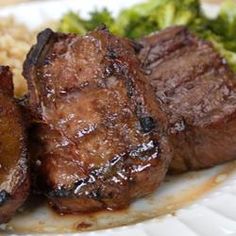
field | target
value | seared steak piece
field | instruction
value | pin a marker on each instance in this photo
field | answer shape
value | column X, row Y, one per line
column 196, row 89
column 100, row 134
column 14, row 178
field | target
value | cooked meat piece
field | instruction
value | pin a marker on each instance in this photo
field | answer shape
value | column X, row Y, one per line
column 14, row 179
column 99, row 143
column 197, row 92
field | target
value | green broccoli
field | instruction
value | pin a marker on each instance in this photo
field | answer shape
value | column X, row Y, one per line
column 230, row 56
column 137, row 21
column 222, row 32
column 98, row 18
column 154, row 15
column 225, row 23
column 72, row 23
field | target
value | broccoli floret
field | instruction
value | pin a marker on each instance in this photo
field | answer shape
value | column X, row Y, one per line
column 222, row 32
column 72, row 23
column 176, row 13
column 225, row 23
column 129, row 25
column 98, row 18
column 155, row 15
column 219, row 44
column 137, row 21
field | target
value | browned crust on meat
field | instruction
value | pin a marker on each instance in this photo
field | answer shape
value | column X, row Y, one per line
column 103, row 73
column 14, row 176
column 196, row 89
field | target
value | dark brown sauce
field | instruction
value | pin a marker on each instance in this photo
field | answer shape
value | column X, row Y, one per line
column 83, row 225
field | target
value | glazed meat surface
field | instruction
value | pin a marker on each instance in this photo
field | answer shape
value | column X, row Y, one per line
column 14, row 179
column 100, row 134
column 197, row 92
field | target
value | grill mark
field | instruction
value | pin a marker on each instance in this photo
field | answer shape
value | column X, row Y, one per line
column 203, row 70
column 167, row 53
column 4, row 197
column 115, row 68
column 102, row 174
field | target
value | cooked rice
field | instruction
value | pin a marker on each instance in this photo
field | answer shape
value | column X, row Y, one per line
column 15, row 42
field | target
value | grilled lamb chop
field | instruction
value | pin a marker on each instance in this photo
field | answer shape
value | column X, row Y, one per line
column 99, row 145
column 197, row 91
column 14, row 178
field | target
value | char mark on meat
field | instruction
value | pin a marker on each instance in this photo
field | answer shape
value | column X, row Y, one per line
column 95, row 120
column 196, row 89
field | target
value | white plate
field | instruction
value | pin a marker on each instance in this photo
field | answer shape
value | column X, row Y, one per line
column 197, row 203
